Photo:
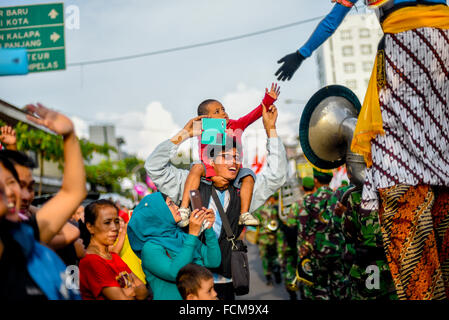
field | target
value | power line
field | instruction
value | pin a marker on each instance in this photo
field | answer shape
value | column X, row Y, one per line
column 197, row 45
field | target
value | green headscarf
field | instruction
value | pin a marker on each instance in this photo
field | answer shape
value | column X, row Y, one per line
column 153, row 221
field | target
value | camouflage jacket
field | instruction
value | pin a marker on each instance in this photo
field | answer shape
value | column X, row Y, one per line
column 318, row 227
column 361, row 229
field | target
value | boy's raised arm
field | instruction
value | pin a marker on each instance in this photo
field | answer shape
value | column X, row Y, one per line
column 269, row 98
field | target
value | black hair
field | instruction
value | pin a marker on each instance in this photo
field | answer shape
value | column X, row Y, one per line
column 91, row 210
column 20, row 158
column 188, row 279
column 309, row 188
column 8, row 166
column 212, row 151
column 202, row 108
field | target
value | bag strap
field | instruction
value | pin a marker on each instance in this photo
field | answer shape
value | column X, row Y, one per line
column 229, row 234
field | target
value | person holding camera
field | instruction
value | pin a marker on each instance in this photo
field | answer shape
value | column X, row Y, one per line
column 164, row 248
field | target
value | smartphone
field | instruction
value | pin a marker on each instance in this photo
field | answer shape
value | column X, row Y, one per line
column 13, row 61
column 213, row 131
column 195, row 199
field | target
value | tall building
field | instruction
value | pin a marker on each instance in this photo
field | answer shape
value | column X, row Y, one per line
column 102, row 134
column 347, row 57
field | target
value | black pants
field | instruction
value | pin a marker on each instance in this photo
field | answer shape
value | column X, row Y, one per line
column 225, row 291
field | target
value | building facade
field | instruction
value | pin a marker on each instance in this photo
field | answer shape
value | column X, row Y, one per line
column 104, row 134
column 347, row 57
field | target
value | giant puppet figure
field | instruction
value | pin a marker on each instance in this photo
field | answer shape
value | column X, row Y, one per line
column 403, row 133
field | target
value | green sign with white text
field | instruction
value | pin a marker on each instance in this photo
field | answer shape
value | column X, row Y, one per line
column 38, row 28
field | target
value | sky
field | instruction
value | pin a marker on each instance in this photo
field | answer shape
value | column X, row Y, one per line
column 150, row 98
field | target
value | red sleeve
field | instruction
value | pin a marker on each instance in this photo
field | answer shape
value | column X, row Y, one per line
column 95, row 275
column 243, row 122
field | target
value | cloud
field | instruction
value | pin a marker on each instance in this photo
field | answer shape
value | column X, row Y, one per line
column 142, row 131
column 81, row 127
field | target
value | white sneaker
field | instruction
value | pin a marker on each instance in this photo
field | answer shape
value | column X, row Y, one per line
column 185, row 216
column 248, row 219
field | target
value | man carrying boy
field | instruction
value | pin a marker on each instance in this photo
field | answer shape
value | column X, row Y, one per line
column 214, row 109
column 170, row 180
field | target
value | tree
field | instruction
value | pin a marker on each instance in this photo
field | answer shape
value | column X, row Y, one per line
column 107, row 173
column 49, row 147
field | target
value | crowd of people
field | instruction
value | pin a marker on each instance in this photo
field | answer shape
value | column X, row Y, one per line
column 326, row 247
column 387, row 239
column 76, row 247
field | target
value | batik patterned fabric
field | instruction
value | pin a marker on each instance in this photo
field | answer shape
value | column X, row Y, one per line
column 415, row 114
column 415, row 227
column 414, row 151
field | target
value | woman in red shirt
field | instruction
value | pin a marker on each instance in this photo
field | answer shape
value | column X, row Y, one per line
column 103, row 274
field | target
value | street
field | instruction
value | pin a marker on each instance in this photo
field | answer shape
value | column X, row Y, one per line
column 258, row 290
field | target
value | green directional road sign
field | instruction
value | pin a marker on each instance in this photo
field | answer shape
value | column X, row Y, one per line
column 40, row 29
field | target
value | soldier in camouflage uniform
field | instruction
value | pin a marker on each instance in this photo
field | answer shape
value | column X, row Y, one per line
column 308, row 186
column 269, row 222
column 321, row 244
column 287, row 235
column 287, row 252
column 340, row 263
column 361, row 229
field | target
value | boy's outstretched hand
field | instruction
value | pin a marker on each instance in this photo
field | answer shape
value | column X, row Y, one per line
column 274, row 92
column 51, row 119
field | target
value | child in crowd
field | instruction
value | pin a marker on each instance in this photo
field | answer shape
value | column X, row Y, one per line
column 214, row 109
column 195, row 282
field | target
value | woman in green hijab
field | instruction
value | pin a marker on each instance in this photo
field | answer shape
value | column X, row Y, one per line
column 164, row 248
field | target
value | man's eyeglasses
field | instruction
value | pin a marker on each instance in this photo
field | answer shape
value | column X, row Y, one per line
column 228, row 158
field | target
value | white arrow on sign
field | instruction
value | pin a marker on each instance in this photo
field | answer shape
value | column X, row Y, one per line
column 54, row 37
column 53, row 14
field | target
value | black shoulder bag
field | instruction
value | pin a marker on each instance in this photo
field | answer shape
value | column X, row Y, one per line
column 239, row 258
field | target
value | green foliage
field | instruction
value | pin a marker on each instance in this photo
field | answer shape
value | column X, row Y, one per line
column 46, row 145
column 107, row 173
column 50, row 147
column 89, row 148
